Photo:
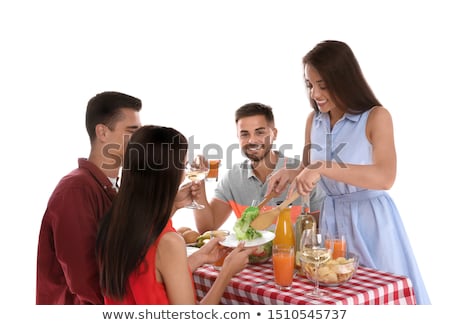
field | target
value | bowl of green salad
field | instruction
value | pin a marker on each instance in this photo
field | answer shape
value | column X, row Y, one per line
column 262, row 254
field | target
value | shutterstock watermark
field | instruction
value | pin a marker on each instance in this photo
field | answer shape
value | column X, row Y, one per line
column 212, row 151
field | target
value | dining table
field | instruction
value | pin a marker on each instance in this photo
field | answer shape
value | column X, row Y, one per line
column 255, row 285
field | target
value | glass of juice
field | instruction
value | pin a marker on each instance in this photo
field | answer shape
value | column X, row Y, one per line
column 224, row 251
column 218, row 264
column 213, row 173
column 338, row 243
column 283, row 265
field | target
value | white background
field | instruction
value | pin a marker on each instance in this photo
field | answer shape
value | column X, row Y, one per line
column 193, row 63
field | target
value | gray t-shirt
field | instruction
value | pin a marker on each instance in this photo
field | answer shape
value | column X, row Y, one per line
column 239, row 187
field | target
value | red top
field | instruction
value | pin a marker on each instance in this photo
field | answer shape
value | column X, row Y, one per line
column 144, row 288
column 67, row 271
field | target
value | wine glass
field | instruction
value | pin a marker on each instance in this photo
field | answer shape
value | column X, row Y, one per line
column 313, row 251
column 196, row 170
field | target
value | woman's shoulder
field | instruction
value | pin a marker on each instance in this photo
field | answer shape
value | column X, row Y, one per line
column 312, row 115
column 310, row 118
column 378, row 113
column 378, row 110
column 171, row 241
column 379, row 121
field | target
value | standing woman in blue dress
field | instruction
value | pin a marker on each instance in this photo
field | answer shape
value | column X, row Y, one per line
column 349, row 149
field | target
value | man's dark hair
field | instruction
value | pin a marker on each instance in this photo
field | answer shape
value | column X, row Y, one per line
column 252, row 109
column 105, row 108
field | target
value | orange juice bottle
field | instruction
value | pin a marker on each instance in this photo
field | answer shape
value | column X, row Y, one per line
column 284, row 232
column 283, row 250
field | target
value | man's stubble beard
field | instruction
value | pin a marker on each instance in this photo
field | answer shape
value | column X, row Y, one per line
column 256, row 159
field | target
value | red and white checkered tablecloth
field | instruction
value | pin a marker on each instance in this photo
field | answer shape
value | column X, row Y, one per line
column 367, row 287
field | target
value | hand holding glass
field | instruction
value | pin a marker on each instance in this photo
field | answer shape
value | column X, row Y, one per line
column 196, row 170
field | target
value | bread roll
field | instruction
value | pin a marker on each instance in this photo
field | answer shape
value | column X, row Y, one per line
column 190, row 236
column 181, row 230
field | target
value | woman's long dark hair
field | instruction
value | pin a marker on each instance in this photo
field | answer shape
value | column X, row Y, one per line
column 340, row 70
column 152, row 171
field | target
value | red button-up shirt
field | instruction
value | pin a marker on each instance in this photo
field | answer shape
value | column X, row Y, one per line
column 67, row 271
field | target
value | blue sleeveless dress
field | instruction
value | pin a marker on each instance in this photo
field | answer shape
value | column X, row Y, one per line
column 367, row 218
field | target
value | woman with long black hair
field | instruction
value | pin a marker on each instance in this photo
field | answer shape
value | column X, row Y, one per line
column 142, row 258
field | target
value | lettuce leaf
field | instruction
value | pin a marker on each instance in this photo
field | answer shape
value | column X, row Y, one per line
column 242, row 226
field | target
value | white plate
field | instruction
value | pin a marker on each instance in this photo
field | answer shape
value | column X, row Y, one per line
column 190, row 250
column 232, row 241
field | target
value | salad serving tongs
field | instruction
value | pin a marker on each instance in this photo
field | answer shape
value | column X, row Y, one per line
column 265, row 219
column 266, row 199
